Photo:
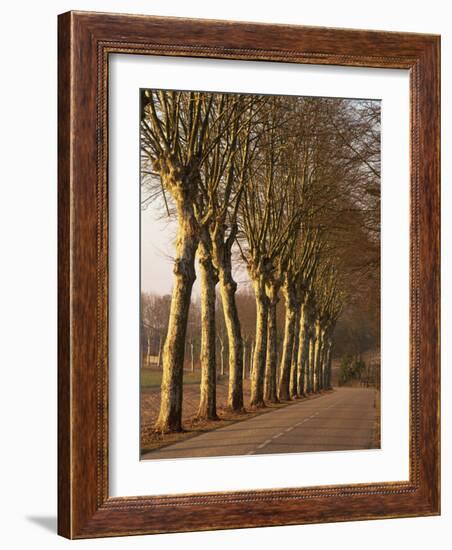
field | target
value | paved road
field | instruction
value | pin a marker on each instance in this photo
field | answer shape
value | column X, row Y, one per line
column 340, row 420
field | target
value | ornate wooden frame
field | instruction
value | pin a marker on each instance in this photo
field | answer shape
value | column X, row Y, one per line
column 85, row 42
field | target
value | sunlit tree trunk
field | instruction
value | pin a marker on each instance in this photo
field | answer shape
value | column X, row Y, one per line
column 260, row 347
column 325, row 360
column 170, row 415
column 228, row 288
column 287, row 351
column 270, row 389
column 208, row 276
column 322, row 369
column 232, row 321
column 294, row 365
column 311, row 362
column 317, row 344
column 319, row 366
column 235, row 389
column 303, row 350
column 326, row 383
column 328, row 364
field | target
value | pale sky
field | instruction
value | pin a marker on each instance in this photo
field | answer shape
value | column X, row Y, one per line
column 157, row 254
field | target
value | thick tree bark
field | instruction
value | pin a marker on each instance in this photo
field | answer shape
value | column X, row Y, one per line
column 294, row 394
column 270, row 386
column 316, row 385
column 324, row 351
column 328, row 365
column 311, row 356
column 260, row 348
column 207, row 404
column 326, row 383
column 303, row 350
column 287, row 352
column 319, row 373
column 326, row 360
column 170, row 415
column 322, row 362
column 228, row 287
column 231, row 318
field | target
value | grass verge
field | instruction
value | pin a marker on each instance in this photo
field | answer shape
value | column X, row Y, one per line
column 152, row 440
column 150, row 378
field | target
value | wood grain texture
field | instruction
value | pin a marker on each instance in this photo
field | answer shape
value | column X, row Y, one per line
column 64, row 297
column 85, row 42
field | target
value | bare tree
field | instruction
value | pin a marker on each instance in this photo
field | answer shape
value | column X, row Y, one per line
column 296, row 282
column 174, row 147
column 329, row 298
column 224, row 177
column 209, row 279
column 289, row 185
column 268, row 217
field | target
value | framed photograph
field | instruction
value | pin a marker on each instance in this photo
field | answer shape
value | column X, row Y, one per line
column 248, row 275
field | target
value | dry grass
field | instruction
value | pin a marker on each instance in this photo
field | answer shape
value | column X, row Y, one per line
column 151, row 440
column 150, row 404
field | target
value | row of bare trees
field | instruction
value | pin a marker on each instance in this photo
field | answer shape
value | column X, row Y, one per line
column 281, row 186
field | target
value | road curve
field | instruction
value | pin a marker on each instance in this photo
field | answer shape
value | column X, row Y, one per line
column 341, row 420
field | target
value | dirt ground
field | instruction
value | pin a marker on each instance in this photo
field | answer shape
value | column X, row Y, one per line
column 150, row 404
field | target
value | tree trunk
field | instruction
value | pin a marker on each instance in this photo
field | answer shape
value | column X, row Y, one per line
column 170, row 415
column 319, row 370
column 222, row 357
column 311, row 356
column 303, row 350
column 294, row 365
column 260, row 347
column 323, row 357
column 208, row 275
column 316, row 385
column 328, row 365
column 228, row 288
column 287, row 353
column 322, row 363
column 222, row 254
column 270, row 389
